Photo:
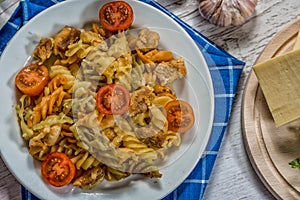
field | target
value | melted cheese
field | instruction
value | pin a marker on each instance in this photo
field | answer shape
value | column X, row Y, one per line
column 279, row 79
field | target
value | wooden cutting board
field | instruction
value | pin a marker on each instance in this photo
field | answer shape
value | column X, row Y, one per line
column 270, row 149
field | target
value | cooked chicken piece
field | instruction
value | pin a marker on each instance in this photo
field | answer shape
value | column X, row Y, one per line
column 145, row 132
column 155, row 140
column 147, row 40
column 131, row 41
column 43, row 50
column 167, row 72
column 66, row 36
column 90, row 178
column 141, row 100
column 179, row 65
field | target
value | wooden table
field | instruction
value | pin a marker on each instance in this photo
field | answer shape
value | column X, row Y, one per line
column 233, row 176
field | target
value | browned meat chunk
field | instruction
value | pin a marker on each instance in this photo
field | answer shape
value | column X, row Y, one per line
column 43, row 50
column 90, row 178
column 147, row 40
column 167, row 72
column 141, row 100
column 66, row 36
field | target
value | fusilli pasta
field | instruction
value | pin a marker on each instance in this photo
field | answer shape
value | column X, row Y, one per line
column 64, row 117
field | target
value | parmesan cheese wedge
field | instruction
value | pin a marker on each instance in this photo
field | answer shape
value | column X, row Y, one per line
column 279, row 79
column 297, row 43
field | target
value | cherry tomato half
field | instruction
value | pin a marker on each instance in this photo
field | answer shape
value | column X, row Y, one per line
column 113, row 99
column 116, row 15
column 180, row 116
column 57, row 169
column 32, row 79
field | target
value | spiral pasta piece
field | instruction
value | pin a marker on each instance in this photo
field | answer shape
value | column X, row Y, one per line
column 59, row 69
column 48, row 104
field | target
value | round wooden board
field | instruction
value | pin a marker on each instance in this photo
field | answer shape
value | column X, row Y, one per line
column 270, row 149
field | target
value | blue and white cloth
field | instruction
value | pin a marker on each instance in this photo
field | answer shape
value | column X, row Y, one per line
column 225, row 72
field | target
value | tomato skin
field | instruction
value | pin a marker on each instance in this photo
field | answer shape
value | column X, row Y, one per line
column 180, row 116
column 57, row 169
column 116, row 15
column 113, row 99
column 32, row 79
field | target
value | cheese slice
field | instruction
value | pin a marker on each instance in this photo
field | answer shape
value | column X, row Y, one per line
column 279, row 79
column 297, row 43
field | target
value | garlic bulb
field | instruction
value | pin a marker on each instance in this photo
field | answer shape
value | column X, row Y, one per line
column 227, row 12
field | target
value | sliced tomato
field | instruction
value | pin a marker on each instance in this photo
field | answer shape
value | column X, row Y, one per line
column 180, row 116
column 113, row 99
column 116, row 15
column 32, row 79
column 57, row 169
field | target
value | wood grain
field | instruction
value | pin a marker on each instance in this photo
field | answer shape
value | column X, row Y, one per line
column 270, row 149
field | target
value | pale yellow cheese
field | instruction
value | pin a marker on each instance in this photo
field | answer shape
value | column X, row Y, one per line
column 279, row 79
column 297, row 43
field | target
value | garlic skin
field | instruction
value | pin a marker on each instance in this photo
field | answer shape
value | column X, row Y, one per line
column 227, row 12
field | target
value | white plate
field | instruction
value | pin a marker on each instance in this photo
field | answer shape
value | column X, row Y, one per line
column 197, row 89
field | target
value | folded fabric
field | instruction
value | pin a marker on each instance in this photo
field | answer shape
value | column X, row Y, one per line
column 225, row 72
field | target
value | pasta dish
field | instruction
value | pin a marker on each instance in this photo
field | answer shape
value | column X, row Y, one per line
column 104, row 101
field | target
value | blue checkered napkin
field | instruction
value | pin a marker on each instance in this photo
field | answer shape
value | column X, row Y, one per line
column 225, row 72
